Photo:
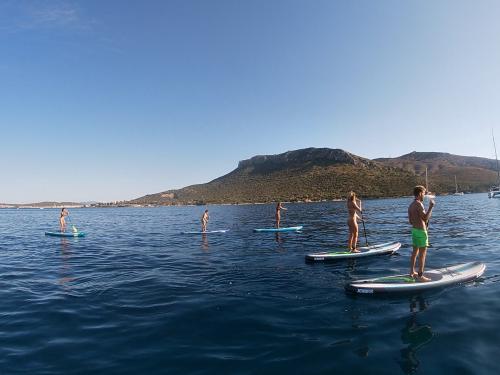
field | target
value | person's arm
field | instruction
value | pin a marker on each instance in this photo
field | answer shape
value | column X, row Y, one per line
column 425, row 216
column 428, row 214
column 358, row 208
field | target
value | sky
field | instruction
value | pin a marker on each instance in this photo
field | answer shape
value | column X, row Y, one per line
column 112, row 100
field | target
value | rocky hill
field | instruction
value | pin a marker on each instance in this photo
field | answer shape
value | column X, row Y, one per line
column 323, row 174
column 473, row 174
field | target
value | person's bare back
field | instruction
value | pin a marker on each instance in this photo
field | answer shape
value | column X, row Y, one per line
column 416, row 215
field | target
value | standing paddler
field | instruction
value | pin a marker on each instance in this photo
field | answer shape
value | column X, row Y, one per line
column 62, row 219
column 353, row 207
column 204, row 221
column 277, row 215
column 419, row 220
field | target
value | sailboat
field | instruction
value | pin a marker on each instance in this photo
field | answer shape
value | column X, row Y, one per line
column 428, row 194
column 456, row 188
column 495, row 190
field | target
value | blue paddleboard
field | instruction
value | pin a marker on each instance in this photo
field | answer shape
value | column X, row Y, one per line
column 65, row 234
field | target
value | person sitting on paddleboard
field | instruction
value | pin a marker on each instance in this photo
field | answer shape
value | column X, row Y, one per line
column 353, row 206
column 204, row 221
column 62, row 219
column 279, row 207
column 419, row 219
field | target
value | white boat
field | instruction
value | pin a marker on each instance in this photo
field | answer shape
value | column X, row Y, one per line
column 428, row 194
column 456, row 188
column 495, row 190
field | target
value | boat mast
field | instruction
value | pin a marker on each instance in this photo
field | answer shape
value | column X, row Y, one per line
column 456, row 186
column 426, row 187
column 496, row 157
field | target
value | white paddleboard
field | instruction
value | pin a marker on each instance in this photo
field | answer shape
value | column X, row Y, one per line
column 404, row 283
column 207, row 232
column 275, row 230
column 365, row 251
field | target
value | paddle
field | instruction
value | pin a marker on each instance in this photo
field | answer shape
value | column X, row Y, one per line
column 427, row 221
column 72, row 226
column 364, row 229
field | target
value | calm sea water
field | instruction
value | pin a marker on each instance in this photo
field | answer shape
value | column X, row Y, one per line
column 135, row 296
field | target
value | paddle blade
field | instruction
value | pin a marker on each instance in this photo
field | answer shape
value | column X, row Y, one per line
column 74, row 229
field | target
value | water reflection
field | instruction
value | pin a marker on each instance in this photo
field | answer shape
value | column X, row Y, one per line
column 415, row 335
column 65, row 271
column 204, row 241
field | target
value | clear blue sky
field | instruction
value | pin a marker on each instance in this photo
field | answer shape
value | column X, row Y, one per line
column 110, row 100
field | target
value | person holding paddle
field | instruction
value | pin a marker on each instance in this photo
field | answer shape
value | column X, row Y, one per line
column 353, row 206
column 62, row 219
column 419, row 220
column 204, row 221
column 279, row 207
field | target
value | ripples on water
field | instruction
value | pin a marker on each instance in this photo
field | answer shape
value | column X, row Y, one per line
column 135, row 296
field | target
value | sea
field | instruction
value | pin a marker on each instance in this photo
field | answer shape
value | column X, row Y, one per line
column 135, row 296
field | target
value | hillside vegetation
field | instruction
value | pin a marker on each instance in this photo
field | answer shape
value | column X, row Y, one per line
column 315, row 174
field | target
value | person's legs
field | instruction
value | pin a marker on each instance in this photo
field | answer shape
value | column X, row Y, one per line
column 355, row 236
column 349, row 241
column 351, row 235
column 421, row 259
column 412, row 261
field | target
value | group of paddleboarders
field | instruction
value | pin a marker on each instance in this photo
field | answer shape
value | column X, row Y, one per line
column 418, row 218
column 205, row 217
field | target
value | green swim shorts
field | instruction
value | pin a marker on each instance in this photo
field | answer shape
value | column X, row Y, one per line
column 419, row 237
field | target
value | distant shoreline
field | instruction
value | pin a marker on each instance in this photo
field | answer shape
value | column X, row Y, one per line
column 136, row 205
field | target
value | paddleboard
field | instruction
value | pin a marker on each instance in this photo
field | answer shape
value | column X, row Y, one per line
column 404, row 283
column 207, row 232
column 286, row 229
column 365, row 251
column 65, row 234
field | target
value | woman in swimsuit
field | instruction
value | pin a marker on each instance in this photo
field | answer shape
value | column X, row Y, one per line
column 352, row 222
column 279, row 207
column 204, row 221
column 62, row 220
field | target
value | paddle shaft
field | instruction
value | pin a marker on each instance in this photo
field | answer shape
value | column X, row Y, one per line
column 72, row 225
column 364, row 228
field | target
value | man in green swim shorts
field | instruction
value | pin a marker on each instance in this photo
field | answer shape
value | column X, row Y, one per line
column 418, row 219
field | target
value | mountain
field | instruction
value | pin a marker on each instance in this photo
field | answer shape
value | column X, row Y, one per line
column 473, row 174
column 323, row 173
